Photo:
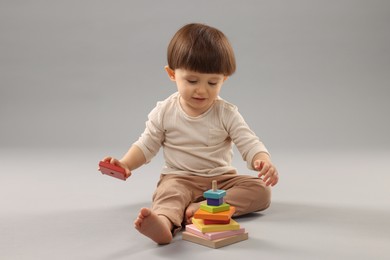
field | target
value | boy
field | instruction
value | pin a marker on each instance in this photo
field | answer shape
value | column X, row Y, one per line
column 196, row 129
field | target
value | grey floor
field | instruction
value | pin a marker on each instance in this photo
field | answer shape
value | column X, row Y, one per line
column 55, row 205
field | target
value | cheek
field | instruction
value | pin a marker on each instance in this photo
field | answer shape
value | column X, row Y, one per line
column 184, row 91
column 215, row 91
column 183, row 85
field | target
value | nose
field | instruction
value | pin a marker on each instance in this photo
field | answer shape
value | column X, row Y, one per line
column 201, row 88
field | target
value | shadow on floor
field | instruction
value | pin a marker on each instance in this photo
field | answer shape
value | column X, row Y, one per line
column 108, row 233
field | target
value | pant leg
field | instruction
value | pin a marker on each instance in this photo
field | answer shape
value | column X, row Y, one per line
column 175, row 192
column 247, row 193
column 173, row 195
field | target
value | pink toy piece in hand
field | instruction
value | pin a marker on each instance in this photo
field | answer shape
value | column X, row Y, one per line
column 112, row 170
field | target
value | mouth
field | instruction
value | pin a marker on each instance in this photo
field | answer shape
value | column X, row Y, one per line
column 199, row 99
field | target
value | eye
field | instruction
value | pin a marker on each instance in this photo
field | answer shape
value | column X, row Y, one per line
column 213, row 83
column 192, row 81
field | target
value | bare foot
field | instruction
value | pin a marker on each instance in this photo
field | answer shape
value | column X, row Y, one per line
column 190, row 211
column 158, row 228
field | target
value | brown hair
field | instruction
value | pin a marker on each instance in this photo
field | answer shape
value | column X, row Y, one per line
column 201, row 48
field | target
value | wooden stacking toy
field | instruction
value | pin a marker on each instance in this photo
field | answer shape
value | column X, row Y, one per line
column 212, row 224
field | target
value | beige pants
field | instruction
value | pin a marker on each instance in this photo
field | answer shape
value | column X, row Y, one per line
column 175, row 193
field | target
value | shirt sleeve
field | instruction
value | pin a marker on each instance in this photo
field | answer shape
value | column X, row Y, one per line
column 247, row 142
column 153, row 136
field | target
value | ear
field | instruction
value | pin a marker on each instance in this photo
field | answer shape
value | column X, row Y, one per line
column 171, row 73
column 225, row 78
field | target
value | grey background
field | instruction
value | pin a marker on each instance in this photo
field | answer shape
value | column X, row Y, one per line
column 78, row 78
column 311, row 74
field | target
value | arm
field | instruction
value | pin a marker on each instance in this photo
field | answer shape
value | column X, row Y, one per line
column 146, row 147
column 134, row 158
column 267, row 171
column 251, row 148
column 247, row 142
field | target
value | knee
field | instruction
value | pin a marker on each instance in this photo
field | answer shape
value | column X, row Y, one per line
column 251, row 196
column 263, row 197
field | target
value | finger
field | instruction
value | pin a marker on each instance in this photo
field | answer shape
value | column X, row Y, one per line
column 115, row 162
column 258, row 164
column 268, row 177
column 273, row 180
column 269, row 181
column 276, row 179
column 262, row 174
column 265, row 169
column 128, row 173
column 264, row 178
column 106, row 159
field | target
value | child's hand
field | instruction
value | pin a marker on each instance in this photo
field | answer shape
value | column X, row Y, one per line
column 116, row 162
column 267, row 170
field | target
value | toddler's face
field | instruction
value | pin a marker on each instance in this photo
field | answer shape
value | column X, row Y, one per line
column 198, row 90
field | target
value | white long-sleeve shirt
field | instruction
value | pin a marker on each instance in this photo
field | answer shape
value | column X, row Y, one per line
column 199, row 145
